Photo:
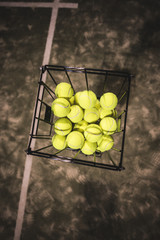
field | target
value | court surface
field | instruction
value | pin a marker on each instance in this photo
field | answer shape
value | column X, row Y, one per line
column 66, row 201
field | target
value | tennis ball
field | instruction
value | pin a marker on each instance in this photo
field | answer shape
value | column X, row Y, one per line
column 91, row 115
column 62, row 126
column 59, row 142
column 80, row 126
column 71, row 100
column 105, row 113
column 64, row 90
column 108, row 125
column 75, row 140
column 105, row 143
column 97, row 105
column 119, row 125
column 76, row 96
column 76, row 114
column 108, row 101
column 114, row 114
column 87, row 99
column 93, row 132
column 60, row 107
column 89, row 147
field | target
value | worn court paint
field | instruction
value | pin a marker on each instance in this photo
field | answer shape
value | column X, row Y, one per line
column 28, row 163
column 39, row 4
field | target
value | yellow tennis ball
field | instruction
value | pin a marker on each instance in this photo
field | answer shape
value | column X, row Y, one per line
column 60, row 107
column 76, row 96
column 80, row 126
column 105, row 143
column 76, row 114
column 59, row 142
column 119, row 125
column 62, row 126
column 64, row 90
column 108, row 125
column 89, row 147
column 87, row 99
column 108, row 101
column 93, row 132
column 91, row 115
column 75, row 140
column 105, row 113
column 114, row 114
column 97, row 105
column 71, row 100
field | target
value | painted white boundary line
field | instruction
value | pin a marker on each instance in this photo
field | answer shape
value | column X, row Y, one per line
column 51, row 31
column 23, row 197
column 38, row 4
column 28, row 162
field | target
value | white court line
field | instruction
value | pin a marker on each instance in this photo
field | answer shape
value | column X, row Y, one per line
column 28, row 162
column 38, row 4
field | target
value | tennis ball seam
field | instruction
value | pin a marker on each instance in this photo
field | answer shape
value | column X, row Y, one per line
column 108, row 144
column 103, row 100
column 96, row 134
column 113, row 121
column 76, row 113
column 95, row 127
column 89, row 148
column 61, row 105
column 110, row 128
column 105, row 145
column 73, row 146
column 64, row 89
column 89, row 99
column 61, row 129
column 86, row 114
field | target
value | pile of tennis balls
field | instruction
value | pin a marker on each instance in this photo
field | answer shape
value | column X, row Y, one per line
column 83, row 122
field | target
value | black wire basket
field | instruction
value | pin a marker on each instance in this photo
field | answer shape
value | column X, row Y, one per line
column 97, row 80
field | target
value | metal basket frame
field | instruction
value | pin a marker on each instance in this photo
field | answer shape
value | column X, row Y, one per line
column 48, row 118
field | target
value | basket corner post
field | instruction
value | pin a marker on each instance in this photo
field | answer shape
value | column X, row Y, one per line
column 43, row 68
column 121, row 168
column 28, row 151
